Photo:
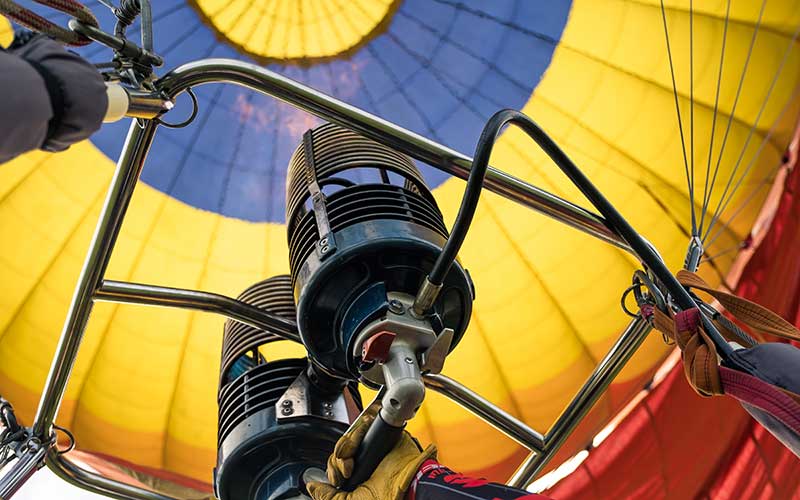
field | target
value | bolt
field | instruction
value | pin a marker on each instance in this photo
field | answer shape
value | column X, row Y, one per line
column 286, row 403
column 323, row 250
column 287, row 411
column 396, row 306
column 327, row 405
column 32, row 444
column 328, row 413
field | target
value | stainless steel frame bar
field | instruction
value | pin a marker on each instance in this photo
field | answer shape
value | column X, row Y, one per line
column 80, row 477
column 403, row 140
column 116, row 204
column 544, row 447
column 597, row 383
column 129, row 167
column 487, row 411
column 21, row 470
column 152, row 295
column 91, row 285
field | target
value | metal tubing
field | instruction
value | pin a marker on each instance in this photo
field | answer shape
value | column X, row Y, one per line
column 136, row 293
column 21, row 470
column 486, row 411
column 146, row 105
column 592, row 389
column 116, row 204
column 614, row 220
column 264, row 81
column 116, row 43
column 77, row 476
column 333, row 110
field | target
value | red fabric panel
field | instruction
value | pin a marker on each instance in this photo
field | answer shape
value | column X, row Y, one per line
column 665, row 448
column 772, row 276
column 675, row 444
column 614, row 399
column 761, row 468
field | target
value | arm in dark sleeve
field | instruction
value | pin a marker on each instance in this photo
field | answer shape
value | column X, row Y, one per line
column 25, row 109
column 50, row 98
column 436, row 482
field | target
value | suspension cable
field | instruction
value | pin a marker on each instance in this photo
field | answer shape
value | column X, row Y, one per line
column 723, row 202
column 680, row 121
column 691, row 114
column 770, row 173
column 735, row 103
column 714, row 118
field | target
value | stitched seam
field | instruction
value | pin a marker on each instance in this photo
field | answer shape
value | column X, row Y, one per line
column 739, row 383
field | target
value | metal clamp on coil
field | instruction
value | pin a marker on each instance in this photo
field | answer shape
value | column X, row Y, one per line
column 327, row 242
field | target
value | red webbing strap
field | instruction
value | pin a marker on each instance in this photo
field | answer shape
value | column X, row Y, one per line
column 37, row 23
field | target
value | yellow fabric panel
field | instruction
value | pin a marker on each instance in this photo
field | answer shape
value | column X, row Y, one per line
column 6, row 32
column 459, row 442
column 41, row 214
column 613, row 64
column 629, row 36
column 188, row 459
column 296, row 30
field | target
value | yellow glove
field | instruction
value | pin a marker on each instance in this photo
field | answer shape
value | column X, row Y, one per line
column 390, row 479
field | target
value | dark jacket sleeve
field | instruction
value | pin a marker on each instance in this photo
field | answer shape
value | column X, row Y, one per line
column 25, row 109
column 51, row 98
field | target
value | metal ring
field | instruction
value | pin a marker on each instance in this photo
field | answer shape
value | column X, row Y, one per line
column 185, row 123
column 625, row 296
column 69, row 435
column 8, row 417
column 654, row 291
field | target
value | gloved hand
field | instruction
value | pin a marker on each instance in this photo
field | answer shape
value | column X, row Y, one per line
column 77, row 92
column 391, row 479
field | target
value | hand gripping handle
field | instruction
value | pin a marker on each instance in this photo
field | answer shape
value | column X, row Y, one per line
column 380, row 439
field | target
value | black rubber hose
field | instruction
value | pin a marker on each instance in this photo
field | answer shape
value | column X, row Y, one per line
column 614, row 219
column 380, row 439
column 469, row 202
column 127, row 13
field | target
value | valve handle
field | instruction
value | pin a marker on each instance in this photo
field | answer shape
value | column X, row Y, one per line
column 380, row 439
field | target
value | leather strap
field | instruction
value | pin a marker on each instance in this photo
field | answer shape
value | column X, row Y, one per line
column 751, row 314
column 698, row 351
column 699, row 354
